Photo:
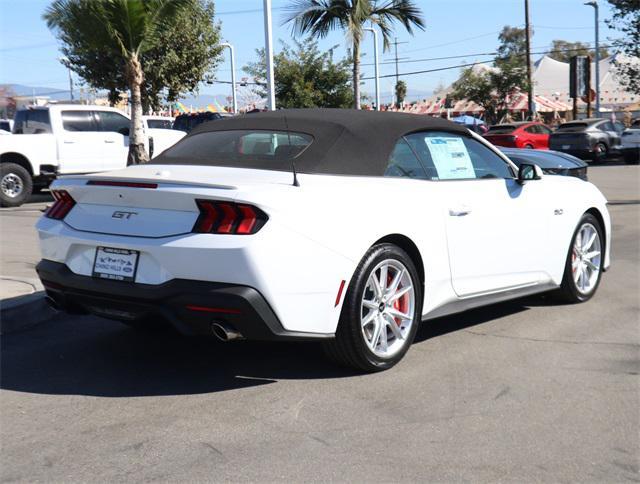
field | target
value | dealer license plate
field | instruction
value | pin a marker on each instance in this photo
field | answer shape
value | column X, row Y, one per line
column 116, row 264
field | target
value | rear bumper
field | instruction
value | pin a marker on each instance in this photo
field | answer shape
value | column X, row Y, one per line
column 630, row 153
column 190, row 306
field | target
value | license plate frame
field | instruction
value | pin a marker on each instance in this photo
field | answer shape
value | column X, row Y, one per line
column 115, row 264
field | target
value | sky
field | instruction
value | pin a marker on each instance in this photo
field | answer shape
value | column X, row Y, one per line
column 465, row 29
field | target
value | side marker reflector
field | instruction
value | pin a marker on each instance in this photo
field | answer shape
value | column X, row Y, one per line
column 339, row 295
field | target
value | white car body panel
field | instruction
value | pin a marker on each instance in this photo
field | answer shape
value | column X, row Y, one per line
column 513, row 240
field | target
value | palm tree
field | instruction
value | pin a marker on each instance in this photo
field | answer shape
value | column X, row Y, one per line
column 128, row 27
column 319, row 17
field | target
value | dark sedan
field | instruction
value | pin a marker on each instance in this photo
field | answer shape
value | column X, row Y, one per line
column 551, row 162
column 591, row 139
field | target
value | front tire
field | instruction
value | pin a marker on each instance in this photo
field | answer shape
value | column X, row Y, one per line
column 381, row 311
column 583, row 268
column 16, row 185
column 600, row 152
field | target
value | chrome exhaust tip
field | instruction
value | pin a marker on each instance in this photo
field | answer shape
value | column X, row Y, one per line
column 225, row 332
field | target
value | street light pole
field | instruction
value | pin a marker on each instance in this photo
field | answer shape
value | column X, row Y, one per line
column 375, row 57
column 594, row 4
column 233, row 76
column 268, row 50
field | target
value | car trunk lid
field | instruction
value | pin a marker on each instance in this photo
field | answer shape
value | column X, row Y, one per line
column 155, row 201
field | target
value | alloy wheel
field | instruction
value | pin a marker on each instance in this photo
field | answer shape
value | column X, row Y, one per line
column 586, row 258
column 388, row 308
column 11, row 185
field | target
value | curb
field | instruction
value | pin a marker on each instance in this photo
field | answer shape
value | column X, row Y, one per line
column 26, row 311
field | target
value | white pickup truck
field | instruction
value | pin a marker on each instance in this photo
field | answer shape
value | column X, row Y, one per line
column 66, row 139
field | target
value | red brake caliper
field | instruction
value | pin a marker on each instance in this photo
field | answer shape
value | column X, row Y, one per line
column 399, row 304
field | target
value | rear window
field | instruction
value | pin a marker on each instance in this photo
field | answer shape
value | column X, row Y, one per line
column 32, row 121
column 501, row 129
column 159, row 123
column 238, row 148
column 572, row 127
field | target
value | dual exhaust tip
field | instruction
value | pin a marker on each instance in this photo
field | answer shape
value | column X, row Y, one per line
column 225, row 332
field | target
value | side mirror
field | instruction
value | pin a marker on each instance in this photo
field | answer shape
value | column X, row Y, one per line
column 528, row 172
column 124, row 131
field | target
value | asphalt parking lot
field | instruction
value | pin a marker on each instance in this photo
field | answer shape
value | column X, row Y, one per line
column 519, row 392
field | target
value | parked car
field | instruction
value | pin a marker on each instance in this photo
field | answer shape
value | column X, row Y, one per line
column 186, row 122
column 160, row 133
column 6, row 126
column 58, row 140
column 525, row 134
column 551, row 162
column 350, row 230
column 591, row 139
column 630, row 147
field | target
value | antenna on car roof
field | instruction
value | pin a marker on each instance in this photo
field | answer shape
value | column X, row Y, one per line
column 290, row 151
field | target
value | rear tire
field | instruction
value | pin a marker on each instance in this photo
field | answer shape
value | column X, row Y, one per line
column 583, row 267
column 528, row 147
column 16, row 185
column 378, row 324
column 600, row 152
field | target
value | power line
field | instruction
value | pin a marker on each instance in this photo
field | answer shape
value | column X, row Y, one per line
column 412, row 61
column 471, row 64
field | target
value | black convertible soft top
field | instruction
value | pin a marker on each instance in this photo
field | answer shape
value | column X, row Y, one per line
column 345, row 141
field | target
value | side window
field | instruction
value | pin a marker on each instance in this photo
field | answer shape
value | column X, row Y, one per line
column 544, row 129
column 532, row 129
column 113, row 122
column 403, row 163
column 608, row 126
column 78, row 121
column 448, row 156
column 619, row 127
column 32, row 121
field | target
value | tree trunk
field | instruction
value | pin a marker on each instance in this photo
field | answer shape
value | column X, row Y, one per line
column 356, row 73
column 137, row 152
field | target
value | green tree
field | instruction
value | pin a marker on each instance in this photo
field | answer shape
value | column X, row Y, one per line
column 401, row 92
column 305, row 77
column 186, row 53
column 626, row 19
column 319, row 17
column 126, row 29
column 563, row 50
column 492, row 88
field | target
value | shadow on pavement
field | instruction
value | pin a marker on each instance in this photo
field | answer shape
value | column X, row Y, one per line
column 93, row 356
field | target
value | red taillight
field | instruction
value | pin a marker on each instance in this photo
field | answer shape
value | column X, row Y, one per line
column 62, row 206
column 228, row 218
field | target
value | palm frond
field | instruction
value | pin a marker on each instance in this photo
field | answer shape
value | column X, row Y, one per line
column 403, row 11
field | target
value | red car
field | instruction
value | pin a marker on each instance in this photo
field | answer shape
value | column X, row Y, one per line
column 526, row 134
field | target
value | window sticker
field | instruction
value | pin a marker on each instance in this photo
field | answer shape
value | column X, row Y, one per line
column 450, row 157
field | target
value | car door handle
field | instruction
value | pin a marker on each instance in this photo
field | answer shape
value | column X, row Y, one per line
column 109, row 141
column 68, row 142
column 459, row 211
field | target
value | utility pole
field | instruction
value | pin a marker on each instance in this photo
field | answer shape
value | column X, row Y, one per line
column 532, row 103
column 395, row 48
column 268, row 50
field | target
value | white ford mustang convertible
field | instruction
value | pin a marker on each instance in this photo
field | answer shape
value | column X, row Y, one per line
column 346, row 227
